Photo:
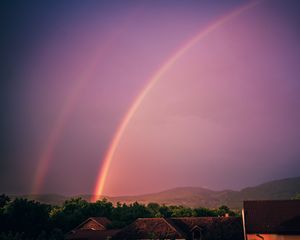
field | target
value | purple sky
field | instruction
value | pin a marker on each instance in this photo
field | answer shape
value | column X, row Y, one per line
column 225, row 115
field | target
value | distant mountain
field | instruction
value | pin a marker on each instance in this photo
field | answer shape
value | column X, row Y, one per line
column 197, row 196
column 187, row 196
column 53, row 199
column 274, row 190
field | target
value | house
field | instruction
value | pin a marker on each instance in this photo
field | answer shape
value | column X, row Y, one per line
column 210, row 228
column 271, row 220
column 94, row 228
column 150, row 228
column 95, row 223
column 191, row 228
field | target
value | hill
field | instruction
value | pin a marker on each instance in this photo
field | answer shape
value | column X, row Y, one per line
column 53, row 199
column 197, row 196
column 274, row 190
column 186, row 196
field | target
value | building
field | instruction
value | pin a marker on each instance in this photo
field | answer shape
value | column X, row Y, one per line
column 191, row 228
column 271, row 220
column 94, row 228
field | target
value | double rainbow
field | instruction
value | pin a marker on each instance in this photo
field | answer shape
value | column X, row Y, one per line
column 53, row 139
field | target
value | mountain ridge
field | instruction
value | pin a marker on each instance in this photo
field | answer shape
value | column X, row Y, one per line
column 286, row 188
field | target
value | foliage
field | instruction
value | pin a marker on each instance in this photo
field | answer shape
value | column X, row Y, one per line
column 223, row 210
column 3, row 200
column 180, row 211
column 20, row 215
column 21, row 219
column 205, row 212
column 297, row 196
column 11, row 236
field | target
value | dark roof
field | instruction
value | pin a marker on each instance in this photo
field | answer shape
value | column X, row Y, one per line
column 212, row 227
column 181, row 228
column 88, row 234
column 103, row 221
column 291, row 226
column 272, row 216
column 149, row 228
column 188, row 223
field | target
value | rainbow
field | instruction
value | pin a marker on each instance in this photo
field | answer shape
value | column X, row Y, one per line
column 101, row 178
column 67, row 109
column 47, row 152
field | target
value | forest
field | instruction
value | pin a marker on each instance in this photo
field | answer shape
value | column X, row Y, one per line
column 23, row 219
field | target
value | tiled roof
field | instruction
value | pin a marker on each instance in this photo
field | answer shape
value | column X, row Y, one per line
column 102, row 221
column 181, row 228
column 150, row 228
column 212, row 227
column 91, row 234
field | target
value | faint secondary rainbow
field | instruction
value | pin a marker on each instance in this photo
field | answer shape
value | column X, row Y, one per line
column 57, row 130
column 68, row 107
column 101, row 178
column 47, row 152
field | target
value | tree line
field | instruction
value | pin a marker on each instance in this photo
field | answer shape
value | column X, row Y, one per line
column 22, row 219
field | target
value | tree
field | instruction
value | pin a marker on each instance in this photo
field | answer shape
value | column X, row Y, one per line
column 101, row 208
column 23, row 219
column 204, row 212
column 181, row 211
column 71, row 214
column 4, row 200
column 223, row 210
column 28, row 217
column 154, row 209
column 165, row 211
column 297, row 197
column 11, row 236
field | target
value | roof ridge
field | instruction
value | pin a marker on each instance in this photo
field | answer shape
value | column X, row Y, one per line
column 173, row 225
column 169, row 222
column 104, row 218
column 94, row 219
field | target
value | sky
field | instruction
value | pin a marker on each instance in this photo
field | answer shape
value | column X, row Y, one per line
column 143, row 96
